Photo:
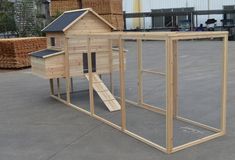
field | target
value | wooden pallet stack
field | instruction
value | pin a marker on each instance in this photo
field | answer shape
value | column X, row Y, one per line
column 14, row 51
column 110, row 10
column 59, row 6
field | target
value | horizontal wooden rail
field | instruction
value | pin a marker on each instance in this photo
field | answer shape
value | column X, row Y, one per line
column 198, row 141
column 152, row 35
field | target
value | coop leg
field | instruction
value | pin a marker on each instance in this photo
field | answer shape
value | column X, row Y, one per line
column 58, row 87
column 52, row 86
column 71, row 81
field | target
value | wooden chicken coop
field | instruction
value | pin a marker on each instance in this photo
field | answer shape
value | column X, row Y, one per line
column 80, row 44
column 50, row 63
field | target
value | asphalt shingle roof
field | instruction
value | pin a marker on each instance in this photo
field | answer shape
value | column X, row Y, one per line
column 45, row 52
column 63, row 21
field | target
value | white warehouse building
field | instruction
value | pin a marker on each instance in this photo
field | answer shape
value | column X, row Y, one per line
column 133, row 6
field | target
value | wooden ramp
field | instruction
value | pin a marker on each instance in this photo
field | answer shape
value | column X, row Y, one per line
column 104, row 93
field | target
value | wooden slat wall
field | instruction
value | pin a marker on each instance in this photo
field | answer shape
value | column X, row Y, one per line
column 38, row 67
column 88, row 24
column 76, row 47
column 53, row 67
column 59, row 40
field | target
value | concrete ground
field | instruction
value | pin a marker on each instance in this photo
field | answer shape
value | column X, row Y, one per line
column 35, row 126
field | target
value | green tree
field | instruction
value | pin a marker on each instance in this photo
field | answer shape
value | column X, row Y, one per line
column 30, row 17
column 42, row 16
column 25, row 17
column 7, row 20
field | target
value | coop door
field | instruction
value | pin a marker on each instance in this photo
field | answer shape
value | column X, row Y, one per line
column 85, row 62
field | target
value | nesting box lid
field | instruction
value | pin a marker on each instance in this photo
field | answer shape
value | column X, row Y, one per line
column 46, row 53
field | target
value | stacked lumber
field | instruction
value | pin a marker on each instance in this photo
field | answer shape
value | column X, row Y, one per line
column 14, row 51
column 59, row 6
column 110, row 10
column 115, row 19
column 104, row 6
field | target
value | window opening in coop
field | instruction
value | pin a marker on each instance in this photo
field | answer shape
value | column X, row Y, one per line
column 85, row 62
column 52, row 41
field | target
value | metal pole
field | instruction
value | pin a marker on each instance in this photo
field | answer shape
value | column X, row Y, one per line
column 208, row 5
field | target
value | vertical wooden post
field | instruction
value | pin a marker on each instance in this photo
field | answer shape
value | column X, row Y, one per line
column 140, row 76
column 122, row 83
column 58, row 87
column 91, row 95
column 169, row 95
column 51, row 86
column 67, row 71
column 111, row 66
column 175, row 77
column 224, row 86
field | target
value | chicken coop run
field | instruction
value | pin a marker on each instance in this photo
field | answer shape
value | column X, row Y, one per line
column 81, row 51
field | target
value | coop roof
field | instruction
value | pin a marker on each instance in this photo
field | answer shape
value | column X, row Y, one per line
column 68, row 18
column 46, row 53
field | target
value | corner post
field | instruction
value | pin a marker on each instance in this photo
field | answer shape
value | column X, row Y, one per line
column 224, row 85
column 169, row 95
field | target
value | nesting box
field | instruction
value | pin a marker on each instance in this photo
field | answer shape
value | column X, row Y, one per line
column 49, row 63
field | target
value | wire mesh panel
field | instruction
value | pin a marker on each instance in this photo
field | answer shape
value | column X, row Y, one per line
column 199, row 88
column 161, row 91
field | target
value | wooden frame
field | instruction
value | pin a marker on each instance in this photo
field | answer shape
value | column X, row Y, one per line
column 171, row 39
